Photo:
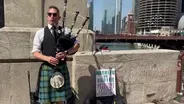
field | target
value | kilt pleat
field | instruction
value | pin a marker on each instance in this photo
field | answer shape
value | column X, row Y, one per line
column 47, row 93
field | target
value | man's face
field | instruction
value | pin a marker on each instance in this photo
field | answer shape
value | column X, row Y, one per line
column 53, row 16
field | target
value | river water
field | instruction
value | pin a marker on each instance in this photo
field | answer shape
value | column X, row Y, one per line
column 119, row 46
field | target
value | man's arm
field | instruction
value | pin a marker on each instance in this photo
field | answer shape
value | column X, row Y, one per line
column 49, row 59
column 40, row 56
column 74, row 48
column 70, row 51
column 36, row 51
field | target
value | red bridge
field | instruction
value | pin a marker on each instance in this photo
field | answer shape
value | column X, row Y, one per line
column 165, row 42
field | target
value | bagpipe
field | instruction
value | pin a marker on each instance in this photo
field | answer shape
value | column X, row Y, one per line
column 66, row 41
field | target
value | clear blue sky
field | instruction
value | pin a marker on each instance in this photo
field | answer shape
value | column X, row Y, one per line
column 98, row 11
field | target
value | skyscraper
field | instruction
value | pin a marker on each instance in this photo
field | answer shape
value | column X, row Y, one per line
column 135, row 8
column 111, row 22
column 91, row 6
column 1, row 13
column 182, row 5
column 180, row 9
column 135, row 13
column 118, row 20
column 124, row 23
column 153, row 14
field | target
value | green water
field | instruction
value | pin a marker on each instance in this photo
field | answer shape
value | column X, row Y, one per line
column 118, row 46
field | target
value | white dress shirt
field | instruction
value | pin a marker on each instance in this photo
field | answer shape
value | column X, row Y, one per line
column 38, row 38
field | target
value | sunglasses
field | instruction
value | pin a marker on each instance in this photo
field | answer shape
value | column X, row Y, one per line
column 50, row 14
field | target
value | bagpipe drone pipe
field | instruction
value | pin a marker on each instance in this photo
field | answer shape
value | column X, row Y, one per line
column 66, row 41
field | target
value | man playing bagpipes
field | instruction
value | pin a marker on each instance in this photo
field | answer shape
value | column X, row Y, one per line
column 50, row 45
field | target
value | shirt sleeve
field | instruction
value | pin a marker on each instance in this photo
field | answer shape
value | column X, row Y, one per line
column 37, row 41
column 67, row 30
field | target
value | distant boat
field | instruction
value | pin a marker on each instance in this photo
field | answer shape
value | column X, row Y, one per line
column 146, row 46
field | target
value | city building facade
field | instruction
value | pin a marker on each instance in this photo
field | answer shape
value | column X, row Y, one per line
column 135, row 12
column 1, row 13
column 130, row 24
column 118, row 17
column 91, row 6
column 180, row 9
column 124, row 24
column 111, row 21
column 154, row 14
column 135, row 9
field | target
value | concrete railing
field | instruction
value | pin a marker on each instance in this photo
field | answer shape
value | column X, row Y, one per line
column 142, row 75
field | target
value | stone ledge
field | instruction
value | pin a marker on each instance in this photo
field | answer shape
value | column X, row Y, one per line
column 26, row 60
column 86, row 57
column 139, row 73
column 34, row 29
column 126, row 52
column 19, row 29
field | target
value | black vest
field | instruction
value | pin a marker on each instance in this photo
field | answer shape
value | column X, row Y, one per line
column 48, row 46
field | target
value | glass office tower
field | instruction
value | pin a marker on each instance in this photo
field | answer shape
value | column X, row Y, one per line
column 90, row 5
column 111, row 21
column 1, row 13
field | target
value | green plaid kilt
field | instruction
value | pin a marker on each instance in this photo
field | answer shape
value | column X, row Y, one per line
column 47, row 94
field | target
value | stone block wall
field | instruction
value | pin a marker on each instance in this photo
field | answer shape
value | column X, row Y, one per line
column 33, row 13
column 23, row 13
column 142, row 75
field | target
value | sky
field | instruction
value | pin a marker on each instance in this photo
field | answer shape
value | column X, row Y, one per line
column 98, row 11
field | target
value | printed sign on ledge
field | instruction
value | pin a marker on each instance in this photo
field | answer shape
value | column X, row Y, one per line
column 105, row 82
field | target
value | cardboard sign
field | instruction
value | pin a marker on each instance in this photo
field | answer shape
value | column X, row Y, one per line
column 105, row 82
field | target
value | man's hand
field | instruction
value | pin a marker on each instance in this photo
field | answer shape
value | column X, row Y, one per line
column 61, row 55
column 179, row 63
column 49, row 59
column 52, row 60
